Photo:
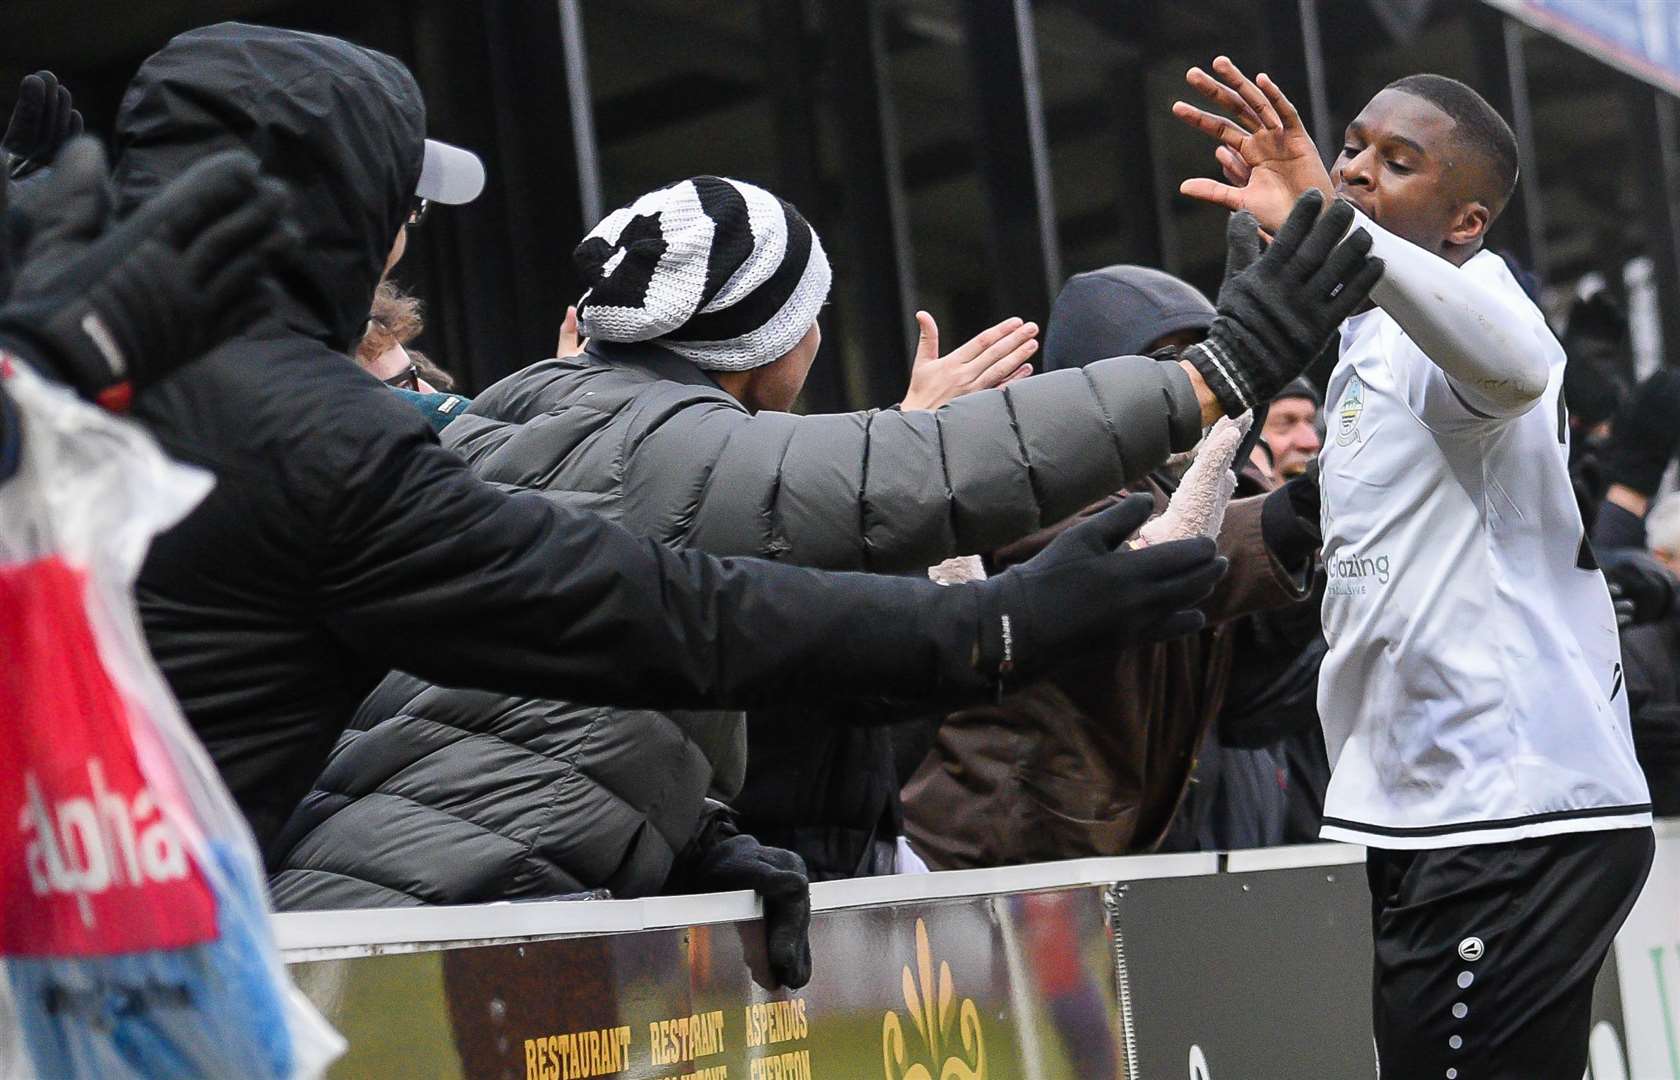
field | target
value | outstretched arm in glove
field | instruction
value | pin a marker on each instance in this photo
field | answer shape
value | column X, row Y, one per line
column 1499, row 366
column 112, row 306
column 581, row 611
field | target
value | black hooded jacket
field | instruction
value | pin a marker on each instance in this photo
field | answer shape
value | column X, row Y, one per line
column 341, row 541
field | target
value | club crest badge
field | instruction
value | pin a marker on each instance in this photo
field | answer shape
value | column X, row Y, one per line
column 1348, row 412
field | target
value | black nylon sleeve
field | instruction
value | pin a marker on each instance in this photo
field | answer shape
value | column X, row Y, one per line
column 466, row 586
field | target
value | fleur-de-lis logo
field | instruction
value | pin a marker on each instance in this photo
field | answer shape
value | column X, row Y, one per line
column 934, row 1012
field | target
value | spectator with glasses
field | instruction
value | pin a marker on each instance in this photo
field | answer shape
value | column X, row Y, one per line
column 384, row 353
column 396, row 320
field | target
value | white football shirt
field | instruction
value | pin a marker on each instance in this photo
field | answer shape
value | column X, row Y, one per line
column 1473, row 691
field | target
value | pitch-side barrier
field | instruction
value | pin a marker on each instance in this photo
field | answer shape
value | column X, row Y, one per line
column 1247, row 966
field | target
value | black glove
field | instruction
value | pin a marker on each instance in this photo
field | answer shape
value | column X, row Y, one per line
column 1636, row 576
column 720, row 858
column 1242, row 250
column 112, row 308
column 42, row 122
column 1646, row 434
column 1085, row 591
column 1242, row 246
column 1277, row 315
column 1626, row 610
column 1289, row 519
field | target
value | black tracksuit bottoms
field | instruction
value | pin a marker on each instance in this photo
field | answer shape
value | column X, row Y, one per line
column 1486, row 955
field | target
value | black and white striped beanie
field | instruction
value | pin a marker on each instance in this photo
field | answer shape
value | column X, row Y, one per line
column 716, row 270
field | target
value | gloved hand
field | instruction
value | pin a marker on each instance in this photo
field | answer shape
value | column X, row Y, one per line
column 1243, row 245
column 42, row 122
column 1624, row 607
column 112, row 307
column 1289, row 519
column 1197, row 508
column 1086, row 591
column 1276, row 315
column 721, row 857
column 1646, row 434
column 1638, row 577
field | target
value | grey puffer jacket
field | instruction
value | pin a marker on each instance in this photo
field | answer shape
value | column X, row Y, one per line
column 646, row 438
column 649, row 440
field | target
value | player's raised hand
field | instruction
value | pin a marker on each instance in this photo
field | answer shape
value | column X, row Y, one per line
column 1264, row 151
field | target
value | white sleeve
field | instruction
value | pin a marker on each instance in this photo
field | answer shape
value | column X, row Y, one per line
column 1495, row 354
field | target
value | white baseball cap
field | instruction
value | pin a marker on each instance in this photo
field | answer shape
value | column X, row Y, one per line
column 449, row 174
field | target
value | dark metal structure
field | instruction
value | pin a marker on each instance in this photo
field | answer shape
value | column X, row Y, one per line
column 961, row 156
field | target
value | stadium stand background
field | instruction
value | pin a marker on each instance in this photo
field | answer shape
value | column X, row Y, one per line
column 958, row 155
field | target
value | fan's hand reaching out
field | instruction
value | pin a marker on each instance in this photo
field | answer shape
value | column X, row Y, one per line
column 995, row 357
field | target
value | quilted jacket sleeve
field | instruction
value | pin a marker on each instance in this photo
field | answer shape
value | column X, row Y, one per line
column 893, row 491
column 428, row 569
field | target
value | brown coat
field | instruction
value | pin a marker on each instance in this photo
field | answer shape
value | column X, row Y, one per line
column 1095, row 759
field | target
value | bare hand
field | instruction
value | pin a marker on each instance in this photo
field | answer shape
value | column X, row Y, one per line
column 1265, row 152
column 570, row 343
column 994, row 357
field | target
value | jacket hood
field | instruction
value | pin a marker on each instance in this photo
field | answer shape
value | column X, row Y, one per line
column 343, row 126
column 1119, row 311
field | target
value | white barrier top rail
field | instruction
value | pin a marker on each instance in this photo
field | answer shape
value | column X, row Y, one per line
column 321, row 935
column 326, row 935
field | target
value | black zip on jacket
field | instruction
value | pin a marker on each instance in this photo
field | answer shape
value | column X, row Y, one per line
column 341, row 541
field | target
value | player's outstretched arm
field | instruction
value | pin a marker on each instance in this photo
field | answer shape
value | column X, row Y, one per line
column 1497, row 357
